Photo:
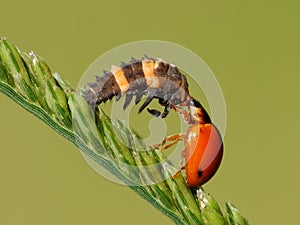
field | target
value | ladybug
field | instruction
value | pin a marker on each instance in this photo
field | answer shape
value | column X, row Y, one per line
column 203, row 145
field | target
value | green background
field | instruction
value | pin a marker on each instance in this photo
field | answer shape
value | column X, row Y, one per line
column 253, row 49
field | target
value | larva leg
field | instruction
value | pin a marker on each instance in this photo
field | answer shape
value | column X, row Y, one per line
column 166, row 111
column 139, row 96
column 162, row 102
column 147, row 102
column 128, row 99
column 157, row 113
column 154, row 112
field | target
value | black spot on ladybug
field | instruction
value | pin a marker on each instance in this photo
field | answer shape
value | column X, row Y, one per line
column 200, row 173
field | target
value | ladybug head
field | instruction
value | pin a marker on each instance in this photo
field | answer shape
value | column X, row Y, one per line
column 197, row 112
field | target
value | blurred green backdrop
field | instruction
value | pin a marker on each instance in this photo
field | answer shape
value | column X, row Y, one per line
column 253, row 49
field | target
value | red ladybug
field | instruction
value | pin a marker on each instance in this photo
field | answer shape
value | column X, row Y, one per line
column 203, row 145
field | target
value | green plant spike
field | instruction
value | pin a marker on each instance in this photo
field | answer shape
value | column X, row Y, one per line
column 234, row 216
column 28, row 80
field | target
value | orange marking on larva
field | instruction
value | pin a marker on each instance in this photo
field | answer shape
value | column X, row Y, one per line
column 120, row 78
column 148, row 68
column 149, row 73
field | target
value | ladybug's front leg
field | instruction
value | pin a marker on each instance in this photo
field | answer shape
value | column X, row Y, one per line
column 174, row 140
column 186, row 116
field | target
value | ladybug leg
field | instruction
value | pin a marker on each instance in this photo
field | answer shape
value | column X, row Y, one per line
column 176, row 174
column 173, row 138
column 168, row 146
column 184, row 114
column 178, row 171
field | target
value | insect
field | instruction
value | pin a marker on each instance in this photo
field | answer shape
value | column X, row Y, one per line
column 157, row 79
column 203, row 145
column 151, row 77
